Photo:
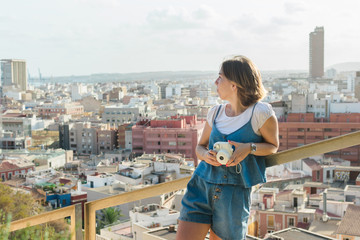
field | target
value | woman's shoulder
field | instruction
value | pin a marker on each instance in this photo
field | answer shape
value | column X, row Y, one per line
column 263, row 107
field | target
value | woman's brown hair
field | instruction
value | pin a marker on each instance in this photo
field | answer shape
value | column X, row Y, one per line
column 243, row 72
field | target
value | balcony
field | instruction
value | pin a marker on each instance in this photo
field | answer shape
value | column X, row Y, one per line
column 74, row 211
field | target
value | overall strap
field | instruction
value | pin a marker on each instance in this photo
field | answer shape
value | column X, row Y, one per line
column 217, row 113
column 252, row 113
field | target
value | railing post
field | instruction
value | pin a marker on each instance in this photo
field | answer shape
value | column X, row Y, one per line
column 90, row 222
column 78, row 222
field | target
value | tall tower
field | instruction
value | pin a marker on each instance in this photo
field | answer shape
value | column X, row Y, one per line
column 316, row 53
column 13, row 72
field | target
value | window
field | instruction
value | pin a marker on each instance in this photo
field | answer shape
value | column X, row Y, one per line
column 305, row 220
column 318, row 175
column 270, row 221
column 291, row 222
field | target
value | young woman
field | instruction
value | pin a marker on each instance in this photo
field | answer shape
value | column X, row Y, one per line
column 218, row 196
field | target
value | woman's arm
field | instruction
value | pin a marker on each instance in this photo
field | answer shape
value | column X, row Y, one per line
column 202, row 151
column 270, row 134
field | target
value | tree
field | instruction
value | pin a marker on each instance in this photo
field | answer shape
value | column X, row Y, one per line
column 108, row 216
column 18, row 204
column 15, row 205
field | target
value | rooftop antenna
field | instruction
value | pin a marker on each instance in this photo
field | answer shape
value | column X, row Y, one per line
column 39, row 74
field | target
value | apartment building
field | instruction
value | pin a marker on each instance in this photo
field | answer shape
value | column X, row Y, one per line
column 83, row 138
column 106, row 138
column 17, row 123
column 124, row 136
column 9, row 141
column 281, row 210
column 179, row 134
column 316, row 53
column 120, row 114
column 14, row 73
column 51, row 110
column 302, row 128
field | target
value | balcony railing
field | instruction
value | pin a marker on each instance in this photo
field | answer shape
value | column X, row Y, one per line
column 74, row 212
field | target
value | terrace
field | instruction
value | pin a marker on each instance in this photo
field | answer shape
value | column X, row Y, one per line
column 74, row 211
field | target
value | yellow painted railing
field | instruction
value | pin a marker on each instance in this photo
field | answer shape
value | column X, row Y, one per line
column 313, row 149
column 73, row 211
column 305, row 151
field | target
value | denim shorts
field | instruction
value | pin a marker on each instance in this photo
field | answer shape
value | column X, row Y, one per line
column 225, row 207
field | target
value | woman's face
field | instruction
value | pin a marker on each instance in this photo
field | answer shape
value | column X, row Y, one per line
column 224, row 86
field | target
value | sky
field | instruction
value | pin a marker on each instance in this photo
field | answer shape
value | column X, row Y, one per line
column 82, row 37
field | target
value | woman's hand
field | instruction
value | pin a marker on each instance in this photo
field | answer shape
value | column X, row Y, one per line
column 210, row 158
column 241, row 151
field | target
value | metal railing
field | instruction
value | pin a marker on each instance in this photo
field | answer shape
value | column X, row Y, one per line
column 305, row 151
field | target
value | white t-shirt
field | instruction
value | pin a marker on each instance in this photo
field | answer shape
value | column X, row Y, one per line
column 227, row 125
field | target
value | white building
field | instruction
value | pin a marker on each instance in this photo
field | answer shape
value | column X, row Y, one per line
column 119, row 114
column 150, row 217
column 77, row 91
column 345, row 107
column 100, row 180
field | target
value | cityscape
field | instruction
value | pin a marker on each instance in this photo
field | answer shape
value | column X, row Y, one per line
column 79, row 140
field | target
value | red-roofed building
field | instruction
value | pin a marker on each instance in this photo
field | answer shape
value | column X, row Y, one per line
column 10, row 168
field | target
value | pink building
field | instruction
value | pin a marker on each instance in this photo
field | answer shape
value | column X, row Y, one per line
column 179, row 134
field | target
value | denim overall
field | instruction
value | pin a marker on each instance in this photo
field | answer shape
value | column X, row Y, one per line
column 251, row 170
column 220, row 195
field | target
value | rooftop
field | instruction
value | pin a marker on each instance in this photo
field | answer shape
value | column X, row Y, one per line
column 296, row 234
column 312, row 164
column 164, row 233
column 350, row 224
column 325, row 228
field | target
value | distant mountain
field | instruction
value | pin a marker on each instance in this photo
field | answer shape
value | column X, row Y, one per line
column 346, row 67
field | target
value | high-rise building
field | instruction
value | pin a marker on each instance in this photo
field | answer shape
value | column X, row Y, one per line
column 316, row 53
column 13, row 72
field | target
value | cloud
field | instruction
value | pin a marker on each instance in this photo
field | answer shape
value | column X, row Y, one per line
column 205, row 13
column 284, row 21
column 175, row 19
column 292, row 7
